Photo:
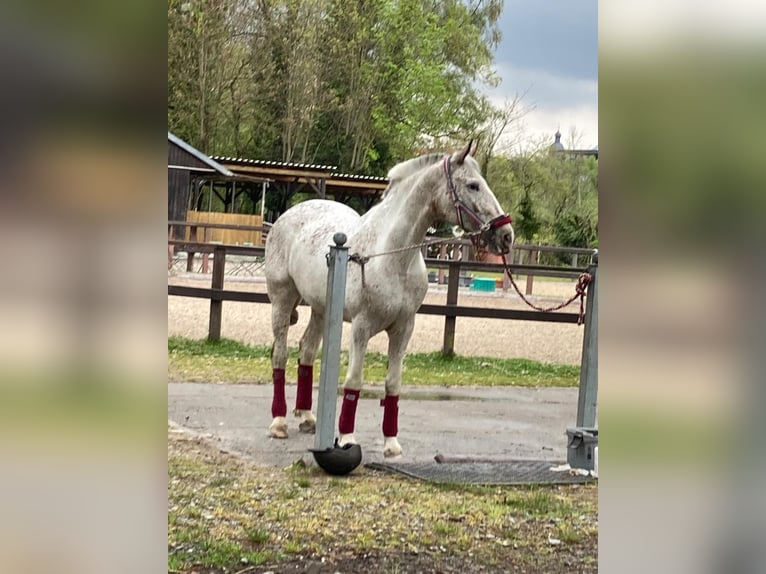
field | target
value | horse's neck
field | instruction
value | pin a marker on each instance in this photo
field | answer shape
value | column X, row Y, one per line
column 402, row 219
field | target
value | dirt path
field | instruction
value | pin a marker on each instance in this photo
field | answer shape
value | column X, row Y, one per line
column 546, row 342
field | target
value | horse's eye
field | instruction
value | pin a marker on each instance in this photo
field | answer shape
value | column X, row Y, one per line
column 473, row 186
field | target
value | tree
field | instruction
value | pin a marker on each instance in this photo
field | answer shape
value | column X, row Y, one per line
column 355, row 83
column 198, row 33
column 500, row 120
column 553, row 197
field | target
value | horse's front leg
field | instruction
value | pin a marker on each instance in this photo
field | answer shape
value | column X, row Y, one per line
column 398, row 337
column 360, row 336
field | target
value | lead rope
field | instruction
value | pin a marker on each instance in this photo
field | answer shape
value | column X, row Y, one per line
column 580, row 291
column 361, row 260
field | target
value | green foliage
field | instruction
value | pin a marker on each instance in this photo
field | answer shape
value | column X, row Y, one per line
column 527, row 225
column 355, row 84
column 552, row 196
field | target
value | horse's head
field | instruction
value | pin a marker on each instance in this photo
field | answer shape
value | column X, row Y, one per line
column 471, row 203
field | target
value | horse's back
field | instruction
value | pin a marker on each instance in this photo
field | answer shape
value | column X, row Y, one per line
column 298, row 242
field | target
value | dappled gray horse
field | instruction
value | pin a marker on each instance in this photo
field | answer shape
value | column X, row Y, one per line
column 382, row 293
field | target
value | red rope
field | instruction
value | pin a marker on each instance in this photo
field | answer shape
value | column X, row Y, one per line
column 580, row 291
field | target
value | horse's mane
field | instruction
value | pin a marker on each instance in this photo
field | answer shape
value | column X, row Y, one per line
column 406, row 168
column 403, row 170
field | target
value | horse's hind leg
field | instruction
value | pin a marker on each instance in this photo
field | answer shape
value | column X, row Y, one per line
column 283, row 302
column 308, row 351
column 398, row 336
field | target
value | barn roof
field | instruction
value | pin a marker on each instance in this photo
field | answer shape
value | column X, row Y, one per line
column 207, row 162
column 275, row 164
column 334, row 183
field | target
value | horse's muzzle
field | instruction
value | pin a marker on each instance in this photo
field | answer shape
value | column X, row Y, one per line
column 500, row 239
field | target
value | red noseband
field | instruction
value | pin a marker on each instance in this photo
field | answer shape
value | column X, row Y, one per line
column 500, row 220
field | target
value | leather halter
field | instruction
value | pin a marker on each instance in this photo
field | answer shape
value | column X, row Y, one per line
column 461, row 208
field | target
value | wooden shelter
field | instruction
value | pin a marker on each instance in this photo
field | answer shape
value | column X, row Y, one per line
column 289, row 179
column 194, row 179
column 185, row 163
column 227, row 190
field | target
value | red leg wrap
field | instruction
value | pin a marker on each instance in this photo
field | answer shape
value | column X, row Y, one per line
column 390, row 415
column 278, row 403
column 305, row 383
column 348, row 411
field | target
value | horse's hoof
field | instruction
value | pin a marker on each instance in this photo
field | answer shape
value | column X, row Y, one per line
column 278, row 429
column 308, row 422
column 308, row 427
column 391, row 448
column 346, row 439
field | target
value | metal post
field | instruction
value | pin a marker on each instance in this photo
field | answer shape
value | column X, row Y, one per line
column 586, row 404
column 337, row 262
column 263, row 202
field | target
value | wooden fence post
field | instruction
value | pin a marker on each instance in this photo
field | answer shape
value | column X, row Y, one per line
column 216, row 303
column 171, row 235
column 530, row 275
column 448, row 348
column 442, row 255
column 205, row 255
column 190, row 254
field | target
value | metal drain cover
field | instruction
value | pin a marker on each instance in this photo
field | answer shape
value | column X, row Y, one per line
column 500, row 472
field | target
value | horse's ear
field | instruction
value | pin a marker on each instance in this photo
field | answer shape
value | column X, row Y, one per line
column 475, row 148
column 464, row 152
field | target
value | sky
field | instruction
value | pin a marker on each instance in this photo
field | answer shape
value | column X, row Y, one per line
column 549, row 52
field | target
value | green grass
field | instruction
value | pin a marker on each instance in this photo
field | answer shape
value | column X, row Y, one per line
column 234, row 362
column 303, row 482
column 225, row 528
column 257, row 535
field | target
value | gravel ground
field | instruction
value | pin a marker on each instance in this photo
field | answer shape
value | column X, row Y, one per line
column 251, row 322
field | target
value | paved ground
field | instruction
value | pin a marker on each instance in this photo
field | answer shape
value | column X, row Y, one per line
column 498, row 423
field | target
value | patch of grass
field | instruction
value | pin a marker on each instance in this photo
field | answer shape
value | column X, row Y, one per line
column 198, row 547
column 257, row 535
column 289, row 494
column 221, row 348
column 568, row 534
column 303, row 482
column 337, row 483
column 444, row 528
column 280, row 516
column 260, row 520
column 231, row 361
column 538, row 502
column 292, row 547
column 220, row 481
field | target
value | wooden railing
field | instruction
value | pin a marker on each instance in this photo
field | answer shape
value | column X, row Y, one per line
column 203, row 245
column 451, row 310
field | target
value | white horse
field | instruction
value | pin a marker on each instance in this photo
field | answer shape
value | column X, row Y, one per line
column 384, row 292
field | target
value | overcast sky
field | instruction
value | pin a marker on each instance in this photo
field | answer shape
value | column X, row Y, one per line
column 550, row 51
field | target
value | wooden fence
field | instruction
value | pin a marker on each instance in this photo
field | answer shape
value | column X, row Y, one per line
column 451, row 310
column 230, row 228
